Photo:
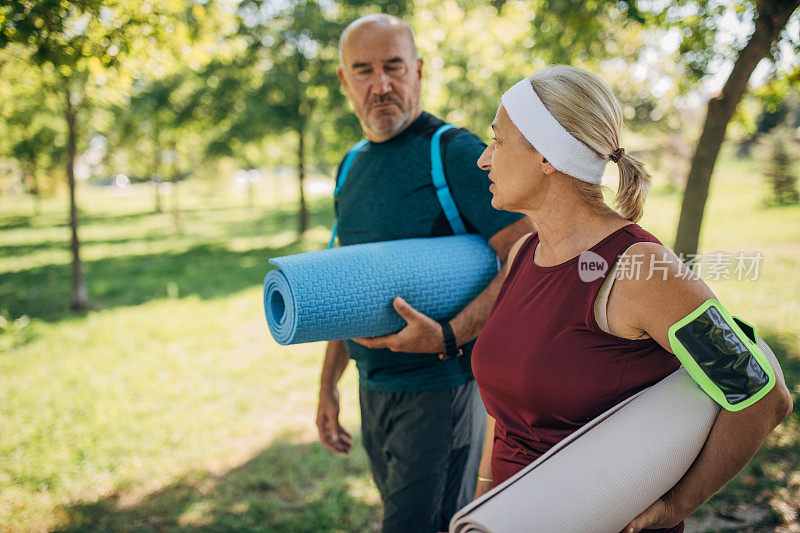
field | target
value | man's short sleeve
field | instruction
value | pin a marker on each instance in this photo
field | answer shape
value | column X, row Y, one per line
column 469, row 185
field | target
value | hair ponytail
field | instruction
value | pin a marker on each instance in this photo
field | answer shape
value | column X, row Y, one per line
column 634, row 183
column 585, row 105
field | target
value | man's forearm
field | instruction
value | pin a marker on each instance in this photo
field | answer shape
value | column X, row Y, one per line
column 333, row 366
column 469, row 322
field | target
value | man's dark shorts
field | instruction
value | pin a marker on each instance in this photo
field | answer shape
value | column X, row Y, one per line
column 424, row 449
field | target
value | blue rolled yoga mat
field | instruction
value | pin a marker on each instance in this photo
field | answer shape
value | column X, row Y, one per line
column 347, row 292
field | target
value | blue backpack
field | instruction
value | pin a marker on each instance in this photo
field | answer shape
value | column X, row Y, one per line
column 437, row 175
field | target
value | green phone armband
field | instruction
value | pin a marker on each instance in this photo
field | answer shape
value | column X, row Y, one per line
column 720, row 353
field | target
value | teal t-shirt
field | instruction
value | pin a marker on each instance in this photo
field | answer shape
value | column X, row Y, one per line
column 389, row 194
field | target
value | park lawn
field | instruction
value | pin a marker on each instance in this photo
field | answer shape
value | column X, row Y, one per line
column 168, row 406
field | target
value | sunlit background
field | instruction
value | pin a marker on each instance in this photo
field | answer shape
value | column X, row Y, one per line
column 139, row 387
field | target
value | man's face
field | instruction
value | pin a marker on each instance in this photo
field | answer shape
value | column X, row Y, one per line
column 382, row 78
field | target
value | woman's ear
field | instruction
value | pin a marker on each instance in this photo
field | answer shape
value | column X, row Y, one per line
column 547, row 168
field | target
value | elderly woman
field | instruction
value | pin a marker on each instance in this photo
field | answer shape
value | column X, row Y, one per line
column 567, row 338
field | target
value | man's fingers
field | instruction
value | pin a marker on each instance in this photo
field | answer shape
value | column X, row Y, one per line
column 337, row 447
column 387, row 341
column 331, row 434
column 391, row 342
column 340, row 435
column 341, row 440
column 325, row 439
column 371, row 342
column 366, row 341
column 341, row 446
column 345, row 443
column 405, row 310
column 326, row 422
column 345, row 432
column 329, row 445
column 335, row 442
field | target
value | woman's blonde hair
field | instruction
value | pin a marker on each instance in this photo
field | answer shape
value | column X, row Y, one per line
column 584, row 104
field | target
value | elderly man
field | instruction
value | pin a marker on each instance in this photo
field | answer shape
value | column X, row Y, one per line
column 422, row 419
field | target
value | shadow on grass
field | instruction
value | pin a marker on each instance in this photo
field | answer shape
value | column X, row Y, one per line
column 773, row 466
column 17, row 250
column 206, row 270
column 16, row 222
column 61, row 220
column 287, row 487
column 285, row 218
column 87, row 218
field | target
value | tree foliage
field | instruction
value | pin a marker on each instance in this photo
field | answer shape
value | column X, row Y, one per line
column 93, row 50
column 254, row 82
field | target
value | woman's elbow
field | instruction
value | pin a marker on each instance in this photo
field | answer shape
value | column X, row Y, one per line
column 788, row 405
column 781, row 400
column 772, row 409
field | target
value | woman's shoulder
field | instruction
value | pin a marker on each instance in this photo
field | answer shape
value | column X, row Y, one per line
column 653, row 289
column 649, row 264
column 638, row 247
column 523, row 243
column 640, row 234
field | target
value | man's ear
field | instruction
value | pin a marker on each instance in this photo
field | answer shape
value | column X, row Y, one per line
column 419, row 67
column 343, row 81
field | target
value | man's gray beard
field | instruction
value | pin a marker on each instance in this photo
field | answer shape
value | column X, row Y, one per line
column 388, row 127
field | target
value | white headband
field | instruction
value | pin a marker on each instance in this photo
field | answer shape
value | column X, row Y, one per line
column 566, row 153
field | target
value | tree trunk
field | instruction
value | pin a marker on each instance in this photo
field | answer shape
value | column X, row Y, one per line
column 156, row 188
column 301, row 174
column 36, row 191
column 176, row 206
column 156, row 169
column 30, row 179
column 772, row 17
column 80, row 296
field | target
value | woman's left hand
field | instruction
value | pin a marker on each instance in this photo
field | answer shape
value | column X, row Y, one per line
column 661, row 514
column 422, row 334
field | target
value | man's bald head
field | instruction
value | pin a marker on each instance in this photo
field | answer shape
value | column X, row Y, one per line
column 381, row 74
column 375, row 19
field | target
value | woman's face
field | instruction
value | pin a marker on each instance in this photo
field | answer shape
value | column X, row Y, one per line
column 517, row 171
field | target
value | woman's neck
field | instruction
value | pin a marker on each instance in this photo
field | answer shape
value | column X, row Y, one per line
column 567, row 226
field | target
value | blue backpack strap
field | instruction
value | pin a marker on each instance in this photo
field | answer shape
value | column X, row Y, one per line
column 437, row 174
column 348, row 162
column 439, row 181
column 341, row 178
column 333, row 232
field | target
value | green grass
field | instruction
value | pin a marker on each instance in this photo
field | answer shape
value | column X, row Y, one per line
column 168, row 406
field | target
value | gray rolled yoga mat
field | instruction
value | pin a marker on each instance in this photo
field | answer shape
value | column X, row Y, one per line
column 347, row 292
column 605, row 474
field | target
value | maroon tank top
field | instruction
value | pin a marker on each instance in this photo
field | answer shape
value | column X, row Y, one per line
column 543, row 365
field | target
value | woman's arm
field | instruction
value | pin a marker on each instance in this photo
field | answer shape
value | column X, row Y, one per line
column 485, row 468
column 642, row 305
